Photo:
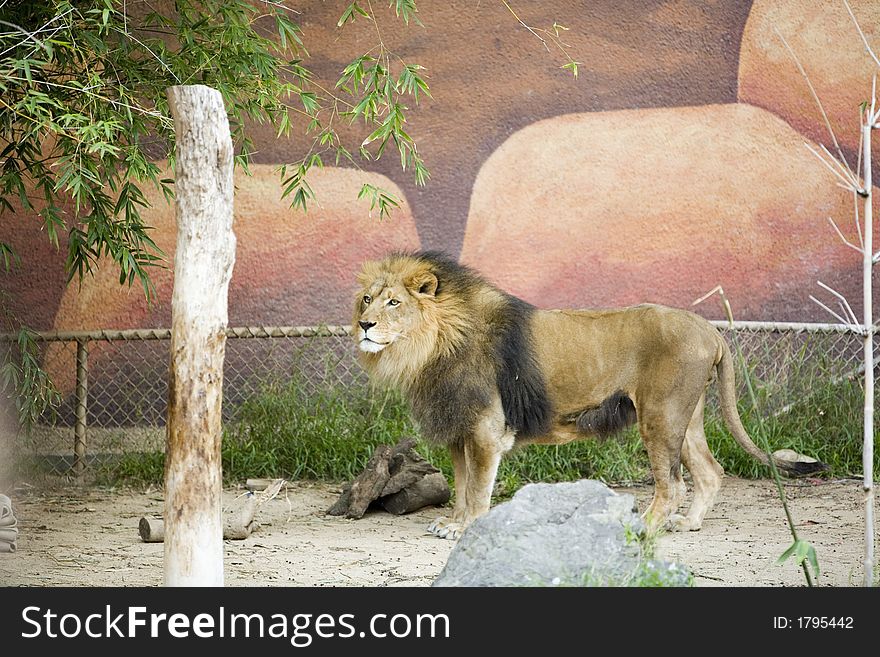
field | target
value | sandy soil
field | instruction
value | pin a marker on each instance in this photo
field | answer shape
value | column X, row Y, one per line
column 89, row 537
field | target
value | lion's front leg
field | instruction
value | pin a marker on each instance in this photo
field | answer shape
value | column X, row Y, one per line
column 475, row 465
column 451, row 528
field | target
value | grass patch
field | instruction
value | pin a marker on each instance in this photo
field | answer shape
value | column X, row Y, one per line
column 330, row 435
column 620, row 459
column 284, row 432
column 647, row 574
column 135, row 468
column 826, row 424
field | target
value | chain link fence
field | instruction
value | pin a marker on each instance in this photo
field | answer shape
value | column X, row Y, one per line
column 113, row 384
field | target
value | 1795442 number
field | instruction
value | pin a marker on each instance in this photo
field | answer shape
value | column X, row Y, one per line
column 822, row 622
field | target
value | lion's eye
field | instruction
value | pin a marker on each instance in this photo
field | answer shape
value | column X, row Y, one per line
column 367, row 299
column 393, row 302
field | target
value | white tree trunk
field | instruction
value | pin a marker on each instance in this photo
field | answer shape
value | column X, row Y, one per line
column 867, row 270
column 202, row 269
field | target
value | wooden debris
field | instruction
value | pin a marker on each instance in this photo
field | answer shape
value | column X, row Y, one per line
column 397, row 475
column 366, row 487
column 430, row 490
column 237, row 525
column 262, row 484
column 240, row 523
column 151, row 529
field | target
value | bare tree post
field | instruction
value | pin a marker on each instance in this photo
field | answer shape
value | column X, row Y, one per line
column 202, row 269
column 867, row 270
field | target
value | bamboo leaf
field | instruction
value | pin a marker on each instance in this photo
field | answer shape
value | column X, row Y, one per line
column 787, row 554
column 573, row 67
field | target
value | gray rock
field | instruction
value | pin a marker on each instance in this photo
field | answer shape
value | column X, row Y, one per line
column 568, row 534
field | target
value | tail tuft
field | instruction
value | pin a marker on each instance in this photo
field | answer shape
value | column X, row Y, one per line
column 797, row 465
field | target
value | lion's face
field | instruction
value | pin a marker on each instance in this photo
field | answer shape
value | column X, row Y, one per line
column 387, row 313
column 389, row 307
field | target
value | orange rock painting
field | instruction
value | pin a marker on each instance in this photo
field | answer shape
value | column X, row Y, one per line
column 660, row 205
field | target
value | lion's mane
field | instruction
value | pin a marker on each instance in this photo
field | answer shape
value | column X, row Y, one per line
column 472, row 341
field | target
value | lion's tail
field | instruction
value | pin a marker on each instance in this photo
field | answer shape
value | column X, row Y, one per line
column 727, row 394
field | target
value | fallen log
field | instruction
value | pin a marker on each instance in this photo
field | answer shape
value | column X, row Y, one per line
column 398, row 475
column 237, row 525
column 366, row 487
column 430, row 490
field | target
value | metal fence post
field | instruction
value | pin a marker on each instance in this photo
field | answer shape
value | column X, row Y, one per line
column 82, row 393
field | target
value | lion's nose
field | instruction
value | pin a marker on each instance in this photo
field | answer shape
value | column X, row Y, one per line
column 366, row 325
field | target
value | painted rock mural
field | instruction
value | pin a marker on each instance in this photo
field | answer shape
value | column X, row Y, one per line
column 714, row 195
column 675, row 162
column 826, row 43
column 291, row 268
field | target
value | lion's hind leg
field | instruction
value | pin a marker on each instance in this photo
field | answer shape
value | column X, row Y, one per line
column 705, row 471
column 663, row 444
column 663, row 429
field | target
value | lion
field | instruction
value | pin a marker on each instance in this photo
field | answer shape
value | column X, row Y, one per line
column 484, row 371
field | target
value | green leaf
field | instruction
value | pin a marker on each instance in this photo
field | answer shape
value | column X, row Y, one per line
column 422, row 175
column 10, row 257
column 801, row 550
column 813, row 559
column 27, row 383
column 382, row 132
column 573, row 67
column 309, row 101
column 785, row 555
column 289, row 33
column 406, row 9
column 350, row 13
column 410, row 82
column 283, row 125
column 380, row 198
column 342, row 153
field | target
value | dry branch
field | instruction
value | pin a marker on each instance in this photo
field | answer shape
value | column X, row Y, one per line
column 429, row 490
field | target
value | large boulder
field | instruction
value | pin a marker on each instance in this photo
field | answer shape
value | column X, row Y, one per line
column 568, row 534
column 662, row 205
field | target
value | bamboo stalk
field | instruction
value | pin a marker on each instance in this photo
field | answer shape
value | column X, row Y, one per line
column 867, row 296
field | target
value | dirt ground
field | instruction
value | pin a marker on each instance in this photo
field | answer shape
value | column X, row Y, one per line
column 89, row 537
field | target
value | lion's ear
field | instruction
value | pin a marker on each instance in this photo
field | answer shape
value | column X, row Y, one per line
column 424, row 283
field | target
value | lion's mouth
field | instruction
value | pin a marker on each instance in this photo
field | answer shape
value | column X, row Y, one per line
column 371, row 346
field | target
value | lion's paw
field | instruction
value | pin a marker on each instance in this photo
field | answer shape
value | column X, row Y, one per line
column 445, row 528
column 680, row 523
